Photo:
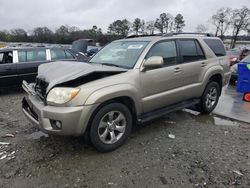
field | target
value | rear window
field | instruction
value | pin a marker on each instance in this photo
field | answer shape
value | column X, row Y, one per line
column 216, row 46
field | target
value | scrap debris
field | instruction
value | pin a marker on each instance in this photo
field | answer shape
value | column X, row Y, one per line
column 171, row 136
column 6, row 152
column 238, row 172
column 8, row 135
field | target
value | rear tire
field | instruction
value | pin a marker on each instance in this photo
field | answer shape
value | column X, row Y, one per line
column 209, row 98
column 110, row 127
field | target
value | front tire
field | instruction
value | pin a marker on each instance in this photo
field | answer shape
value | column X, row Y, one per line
column 209, row 98
column 110, row 127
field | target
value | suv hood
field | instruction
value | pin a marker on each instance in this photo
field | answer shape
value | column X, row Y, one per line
column 63, row 71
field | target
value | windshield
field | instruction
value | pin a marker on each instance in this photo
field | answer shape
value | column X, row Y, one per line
column 120, row 53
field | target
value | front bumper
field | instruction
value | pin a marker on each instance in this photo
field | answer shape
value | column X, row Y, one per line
column 74, row 120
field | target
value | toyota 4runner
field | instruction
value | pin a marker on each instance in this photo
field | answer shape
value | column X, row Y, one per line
column 129, row 81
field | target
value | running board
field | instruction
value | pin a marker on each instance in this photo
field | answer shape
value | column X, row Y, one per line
column 163, row 111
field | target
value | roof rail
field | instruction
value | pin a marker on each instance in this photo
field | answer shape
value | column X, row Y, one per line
column 144, row 35
column 187, row 33
column 170, row 34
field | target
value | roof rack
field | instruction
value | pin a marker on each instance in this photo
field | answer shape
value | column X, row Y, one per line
column 144, row 35
column 170, row 34
column 187, row 33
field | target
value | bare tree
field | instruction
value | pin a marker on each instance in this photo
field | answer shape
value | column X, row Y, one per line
column 150, row 26
column 163, row 22
column 138, row 26
column 201, row 28
column 240, row 21
column 221, row 20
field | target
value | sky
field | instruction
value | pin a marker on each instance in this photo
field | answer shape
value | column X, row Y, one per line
column 28, row 14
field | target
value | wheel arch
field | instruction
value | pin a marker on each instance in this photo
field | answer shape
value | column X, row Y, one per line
column 125, row 100
column 217, row 78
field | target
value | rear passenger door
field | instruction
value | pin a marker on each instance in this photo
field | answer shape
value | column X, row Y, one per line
column 28, row 62
column 194, row 65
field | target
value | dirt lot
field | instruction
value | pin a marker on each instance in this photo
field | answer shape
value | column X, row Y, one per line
column 207, row 151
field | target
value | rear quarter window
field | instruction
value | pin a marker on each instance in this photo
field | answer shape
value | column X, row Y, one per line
column 216, row 46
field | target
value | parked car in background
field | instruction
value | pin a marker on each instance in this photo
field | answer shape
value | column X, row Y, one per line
column 233, row 56
column 234, row 69
column 129, row 81
column 244, row 53
column 83, row 49
column 18, row 64
column 236, row 55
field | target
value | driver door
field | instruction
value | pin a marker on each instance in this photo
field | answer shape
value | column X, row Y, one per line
column 162, row 86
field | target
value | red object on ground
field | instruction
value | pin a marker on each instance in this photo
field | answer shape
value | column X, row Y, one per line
column 246, row 97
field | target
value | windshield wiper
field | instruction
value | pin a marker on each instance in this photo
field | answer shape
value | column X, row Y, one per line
column 113, row 65
column 110, row 64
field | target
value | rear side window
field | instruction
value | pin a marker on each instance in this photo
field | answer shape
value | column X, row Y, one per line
column 69, row 55
column 191, row 50
column 57, row 54
column 216, row 46
column 167, row 50
column 36, row 55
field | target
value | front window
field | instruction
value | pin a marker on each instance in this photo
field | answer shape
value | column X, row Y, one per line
column 6, row 57
column 120, row 53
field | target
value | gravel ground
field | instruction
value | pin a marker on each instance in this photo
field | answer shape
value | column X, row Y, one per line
column 203, row 151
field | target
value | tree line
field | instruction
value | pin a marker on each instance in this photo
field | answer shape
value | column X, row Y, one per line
column 118, row 29
column 225, row 20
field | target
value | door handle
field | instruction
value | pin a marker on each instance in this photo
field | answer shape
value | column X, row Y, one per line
column 177, row 69
column 203, row 64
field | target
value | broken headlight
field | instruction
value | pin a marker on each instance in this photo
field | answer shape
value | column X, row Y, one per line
column 61, row 95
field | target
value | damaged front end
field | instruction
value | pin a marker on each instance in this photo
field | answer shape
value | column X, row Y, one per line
column 67, row 74
column 56, row 84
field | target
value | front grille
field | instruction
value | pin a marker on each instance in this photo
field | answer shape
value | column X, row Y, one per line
column 41, row 87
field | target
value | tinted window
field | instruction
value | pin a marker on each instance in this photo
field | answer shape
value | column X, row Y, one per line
column 6, row 57
column 1, row 58
column 167, row 50
column 191, row 50
column 69, row 55
column 216, row 46
column 36, row 55
column 57, row 54
column 22, row 56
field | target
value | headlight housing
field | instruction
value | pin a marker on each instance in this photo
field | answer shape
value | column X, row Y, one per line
column 61, row 95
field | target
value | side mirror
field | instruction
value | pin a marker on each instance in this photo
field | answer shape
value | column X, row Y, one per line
column 153, row 62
